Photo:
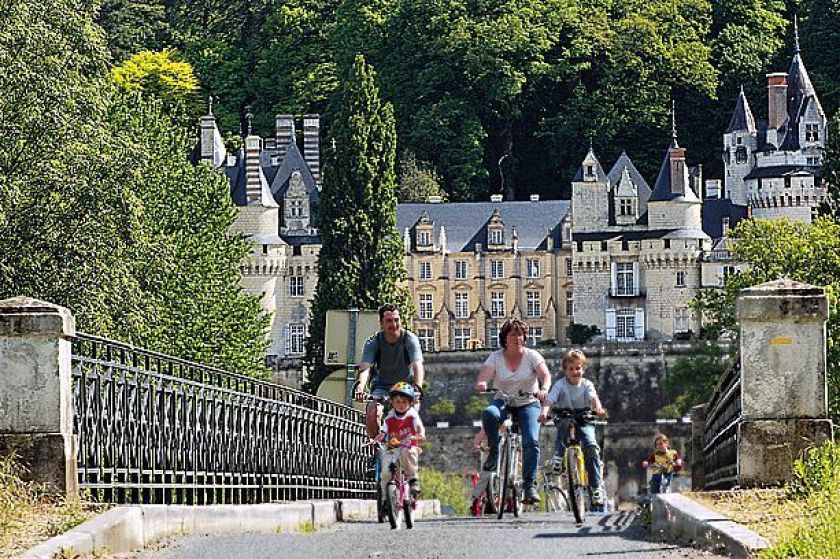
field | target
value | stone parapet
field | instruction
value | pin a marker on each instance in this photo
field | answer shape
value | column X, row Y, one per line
column 36, row 413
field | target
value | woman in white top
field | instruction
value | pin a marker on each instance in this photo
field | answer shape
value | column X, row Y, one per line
column 521, row 375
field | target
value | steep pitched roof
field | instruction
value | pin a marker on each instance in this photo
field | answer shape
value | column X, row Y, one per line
column 713, row 212
column 800, row 92
column 623, row 163
column 466, row 222
column 742, row 117
column 292, row 161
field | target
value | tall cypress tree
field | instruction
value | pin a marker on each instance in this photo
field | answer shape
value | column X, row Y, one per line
column 361, row 261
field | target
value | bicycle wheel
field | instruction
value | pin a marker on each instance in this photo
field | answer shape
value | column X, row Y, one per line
column 380, row 503
column 504, row 478
column 408, row 513
column 555, row 498
column 577, row 487
column 491, row 495
column 516, row 480
column 394, row 509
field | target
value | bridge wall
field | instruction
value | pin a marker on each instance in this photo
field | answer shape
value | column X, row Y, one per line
column 628, row 378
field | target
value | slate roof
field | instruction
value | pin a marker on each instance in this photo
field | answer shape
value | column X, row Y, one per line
column 276, row 176
column 715, row 209
column 742, row 117
column 662, row 189
column 466, row 222
column 800, row 92
column 644, row 190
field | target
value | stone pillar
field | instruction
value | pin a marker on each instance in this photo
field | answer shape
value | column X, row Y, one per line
column 698, row 424
column 36, row 407
column 784, row 394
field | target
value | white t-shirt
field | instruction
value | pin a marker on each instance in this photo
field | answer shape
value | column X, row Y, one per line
column 565, row 395
column 523, row 379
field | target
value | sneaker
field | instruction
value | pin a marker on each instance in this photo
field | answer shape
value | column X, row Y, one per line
column 531, row 495
column 557, row 464
column 490, row 463
column 414, row 487
column 598, row 497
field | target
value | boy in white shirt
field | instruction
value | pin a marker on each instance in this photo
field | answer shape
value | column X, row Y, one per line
column 575, row 392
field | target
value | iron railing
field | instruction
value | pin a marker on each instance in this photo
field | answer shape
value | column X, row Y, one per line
column 157, row 429
column 720, row 433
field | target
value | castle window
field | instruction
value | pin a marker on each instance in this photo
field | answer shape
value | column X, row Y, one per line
column 296, row 250
column 295, row 339
column 625, row 324
column 590, row 170
column 497, row 269
column 533, row 266
column 570, row 303
column 667, row 243
column 624, row 281
column 462, row 338
column 569, row 267
column 625, row 206
column 497, row 304
column 295, row 208
column 426, row 309
column 423, row 238
column 741, row 155
column 534, row 335
column 493, row 337
column 265, row 249
column 426, row 336
column 532, row 304
column 813, row 160
column 680, row 279
column 462, row 305
column 460, row 269
column 496, row 237
column 295, row 286
column 425, row 271
column 812, row 133
column 681, row 320
column 740, row 140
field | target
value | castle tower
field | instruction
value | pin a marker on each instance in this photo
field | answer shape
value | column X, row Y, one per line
column 673, row 204
column 212, row 147
column 590, row 196
column 740, row 142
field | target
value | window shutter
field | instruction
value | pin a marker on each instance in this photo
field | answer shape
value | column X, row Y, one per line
column 611, row 322
column 287, row 336
column 640, row 324
column 613, row 282
column 636, row 281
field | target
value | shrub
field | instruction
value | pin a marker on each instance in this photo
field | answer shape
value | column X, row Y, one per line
column 817, row 469
column 443, row 408
column 450, row 489
column 475, row 406
column 580, row 333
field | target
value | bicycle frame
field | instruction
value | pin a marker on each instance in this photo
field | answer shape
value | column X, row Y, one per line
column 577, row 477
column 400, row 504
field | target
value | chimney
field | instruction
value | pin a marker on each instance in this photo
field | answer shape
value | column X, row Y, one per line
column 253, row 184
column 678, row 170
column 311, row 145
column 713, row 188
column 434, row 199
column 776, row 99
column 695, row 179
column 285, row 133
column 496, row 197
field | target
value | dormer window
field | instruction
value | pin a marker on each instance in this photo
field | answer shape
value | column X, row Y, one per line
column 423, row 238
column 424, row 230
column 812, row 133
column 495, row 231
column 625, row 206
column 590, row 170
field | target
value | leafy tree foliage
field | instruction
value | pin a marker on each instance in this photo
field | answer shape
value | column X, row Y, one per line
column 361, row 258
column 110, row 220
column 162, row 76
column 831, row 167
column 803, row 252
column 692, row 379
column 417, row 180
column 133, row 25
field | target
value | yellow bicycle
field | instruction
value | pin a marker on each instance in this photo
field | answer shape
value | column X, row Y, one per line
column 577, row 479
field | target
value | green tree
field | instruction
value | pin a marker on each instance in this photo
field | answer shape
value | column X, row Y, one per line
column 160, row 75
column 808, row 253
column 831, row 167
column 361, row 258
column 109, row 218
column 417, row 180
column 132, row 26
column 692, row 379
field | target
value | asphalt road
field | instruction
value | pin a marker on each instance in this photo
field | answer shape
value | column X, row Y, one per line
column 534, row 536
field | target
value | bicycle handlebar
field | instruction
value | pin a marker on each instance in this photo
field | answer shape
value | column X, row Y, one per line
column 580, row 414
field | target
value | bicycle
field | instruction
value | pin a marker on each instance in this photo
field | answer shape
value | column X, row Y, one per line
column 577, row 479
column 399, row 504
column 507, row 484
column 551, row 484
column 666, row 472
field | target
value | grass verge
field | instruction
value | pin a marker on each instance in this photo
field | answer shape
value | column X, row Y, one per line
column 800, row 520
column 29, row 516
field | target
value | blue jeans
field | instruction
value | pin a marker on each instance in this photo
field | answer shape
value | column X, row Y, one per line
column 529, row 428
column 656, row 482
column 591, row 451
